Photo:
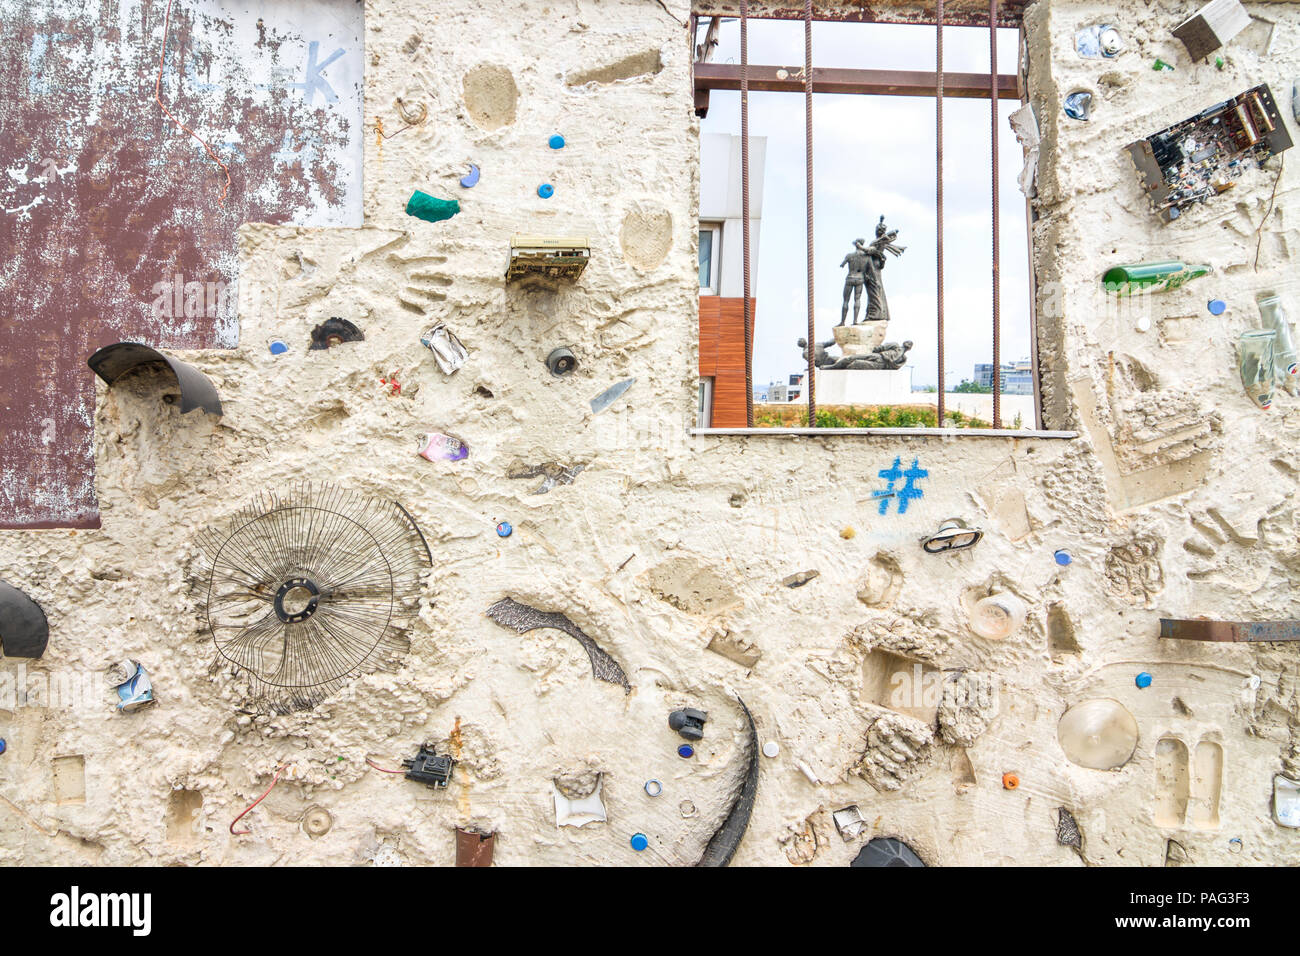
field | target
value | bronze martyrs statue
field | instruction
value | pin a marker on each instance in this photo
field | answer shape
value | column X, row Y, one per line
column 865, row 264
column 890, row 355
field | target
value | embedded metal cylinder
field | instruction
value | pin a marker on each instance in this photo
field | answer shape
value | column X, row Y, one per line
column 562, row 361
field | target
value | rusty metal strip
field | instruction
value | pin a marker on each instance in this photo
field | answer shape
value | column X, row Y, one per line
column 1227, row 632
column 808, row 180
column 474, row 848
column 788, row 79
column 938, row 199
column 744, row 210
column 997, row 304
column 962, row 13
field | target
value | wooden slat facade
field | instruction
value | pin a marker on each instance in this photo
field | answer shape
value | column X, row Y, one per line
column 722, row 356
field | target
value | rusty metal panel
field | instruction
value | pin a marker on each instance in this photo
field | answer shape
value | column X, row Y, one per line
column 112, row 216
column 777, row 79
column 1229, row 631
column 957, row 13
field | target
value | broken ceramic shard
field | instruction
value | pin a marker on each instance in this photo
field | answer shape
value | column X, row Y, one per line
column 1099, row 734
column 725, row 841
column 849, row 822
column 1067, row 829
column 131, row 681
column 1255, row 361
column 799, row 579
column 1286, row 366
column 610, row 396
column 1286, row 802
column 552, row 473
column 522, row 618
column 997, row 616
column 887, row 851
column 447, row 349
column 578, row 811
column 436, row 446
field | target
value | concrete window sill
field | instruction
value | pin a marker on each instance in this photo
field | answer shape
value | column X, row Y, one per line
column 883, row 432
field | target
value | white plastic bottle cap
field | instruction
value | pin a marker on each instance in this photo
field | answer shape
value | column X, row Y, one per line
column 771, row 748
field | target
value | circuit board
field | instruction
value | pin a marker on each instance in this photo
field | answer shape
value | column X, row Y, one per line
column 1201, row 157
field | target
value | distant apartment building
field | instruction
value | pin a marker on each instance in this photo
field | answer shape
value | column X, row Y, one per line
column 789, row 391
column 722, row 315
column 1017, row 377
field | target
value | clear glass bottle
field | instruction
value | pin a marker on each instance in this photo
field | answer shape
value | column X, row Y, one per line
column 1286, row 366
column 1255, row 359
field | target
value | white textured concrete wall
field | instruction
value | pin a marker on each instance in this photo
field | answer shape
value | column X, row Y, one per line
column 671, row 551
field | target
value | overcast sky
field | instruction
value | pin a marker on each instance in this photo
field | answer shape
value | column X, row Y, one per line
column 874, row 155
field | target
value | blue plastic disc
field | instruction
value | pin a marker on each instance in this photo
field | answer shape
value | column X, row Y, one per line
column 1063, row 557
column 686, row 750
column 639, row 841
column 556, row 142
column 1217, row 306
column 278, row 347
column 546, row 190
column 1143, row 679
column 3, row 745
column 504, row 530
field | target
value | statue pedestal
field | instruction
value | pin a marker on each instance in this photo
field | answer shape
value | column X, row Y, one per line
column 859, row 339
column 866, row 386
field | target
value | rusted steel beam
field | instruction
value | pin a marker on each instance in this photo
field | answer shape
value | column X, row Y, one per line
column 1228, row 631
column 786, row 79
column 959, row 13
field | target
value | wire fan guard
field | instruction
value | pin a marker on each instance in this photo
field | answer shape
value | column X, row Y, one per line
column 307, row 590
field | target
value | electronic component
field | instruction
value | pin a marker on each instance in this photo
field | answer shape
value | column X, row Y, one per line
column 1203, row 156
column 554, row 257
column 430, row 768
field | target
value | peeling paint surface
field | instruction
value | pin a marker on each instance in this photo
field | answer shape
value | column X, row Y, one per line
column 111, row 215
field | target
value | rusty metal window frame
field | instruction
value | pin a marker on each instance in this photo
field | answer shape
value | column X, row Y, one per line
column 993, row 86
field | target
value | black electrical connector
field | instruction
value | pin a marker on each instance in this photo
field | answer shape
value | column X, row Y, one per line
column 688, row 722
column 429, row 768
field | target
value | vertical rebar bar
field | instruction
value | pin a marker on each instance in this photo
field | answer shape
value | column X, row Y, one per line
column 997, row 315
column 808, row 179
column 938, row 195
column 744, row 209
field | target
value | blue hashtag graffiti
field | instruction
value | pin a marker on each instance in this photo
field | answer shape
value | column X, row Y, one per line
column 907, row 493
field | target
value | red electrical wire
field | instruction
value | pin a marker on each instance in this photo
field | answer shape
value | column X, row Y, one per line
column 157, row 89
column 278, row 770
column 382, row 769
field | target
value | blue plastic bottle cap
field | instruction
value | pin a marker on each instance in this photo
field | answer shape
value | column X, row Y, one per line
column 1217, row 307
column 556, row 141
column 504, row 530
column 1063, row 557
column 686, row 750
column 278, row 347
column 546, row 190
column 639, row 842
column 3, row 745
column 1143, row 679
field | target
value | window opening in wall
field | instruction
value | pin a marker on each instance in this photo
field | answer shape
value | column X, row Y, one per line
column 875, row 111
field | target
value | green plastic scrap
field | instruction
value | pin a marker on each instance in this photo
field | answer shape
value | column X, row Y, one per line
column 429, row 208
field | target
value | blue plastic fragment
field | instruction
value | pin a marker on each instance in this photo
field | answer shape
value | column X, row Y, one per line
column 504, row 530
column 556, row 142
column 278, row 347
column 1217, row 306
column 1063, row 557
column 470, row 179
column 3, row 745
column 546, row 190
column 1143, row 679
column 639, row 841
column 686, row 750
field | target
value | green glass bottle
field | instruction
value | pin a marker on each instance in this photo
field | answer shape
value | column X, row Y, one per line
column 1151, row 276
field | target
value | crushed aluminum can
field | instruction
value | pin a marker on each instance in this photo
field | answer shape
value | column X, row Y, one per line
column 1286, row 802
column 1078, row 105
column 131, row 681
column 447, row 350
column 436, row 446
column 1098, row 42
